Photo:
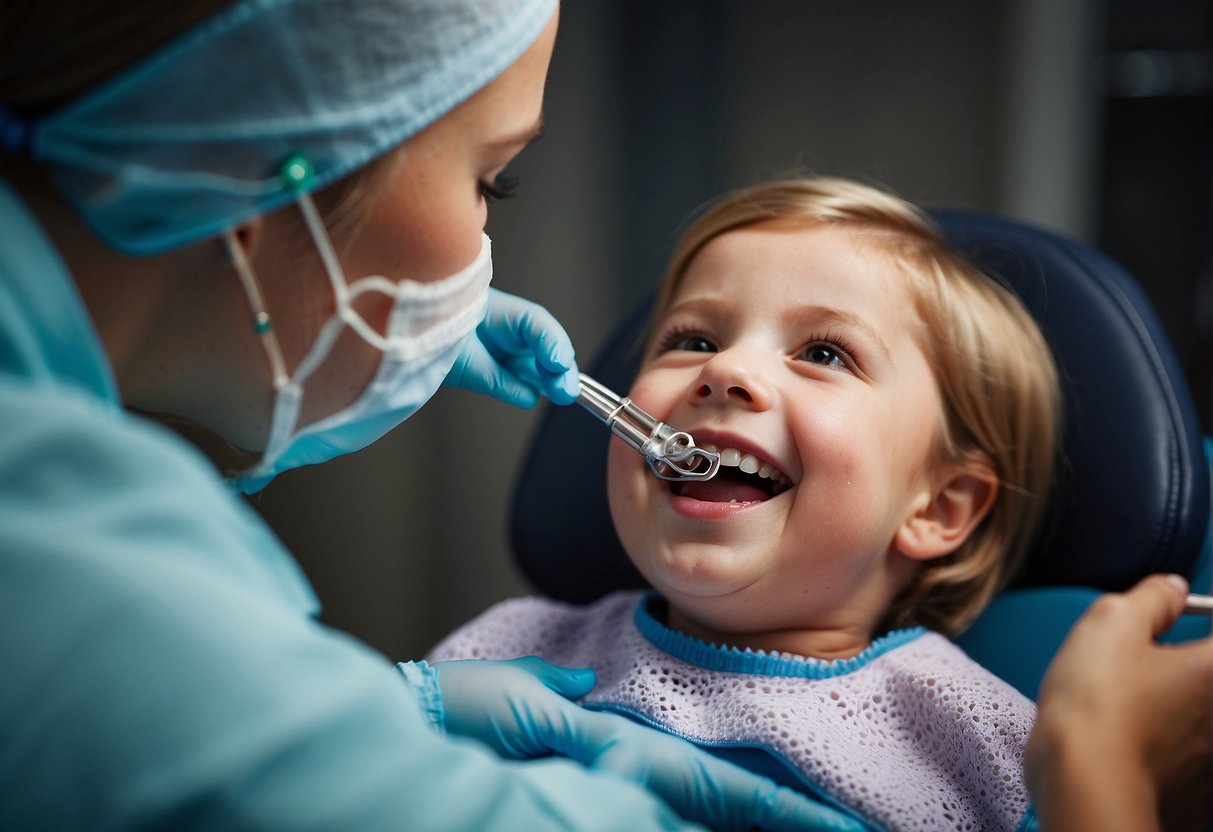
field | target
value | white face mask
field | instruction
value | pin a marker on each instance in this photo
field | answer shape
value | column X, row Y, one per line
column 426, row 328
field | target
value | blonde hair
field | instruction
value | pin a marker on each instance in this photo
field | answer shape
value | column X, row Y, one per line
column 996, row 375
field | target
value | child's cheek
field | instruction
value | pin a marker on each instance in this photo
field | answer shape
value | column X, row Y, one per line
column 623, row 487
column 624, row 474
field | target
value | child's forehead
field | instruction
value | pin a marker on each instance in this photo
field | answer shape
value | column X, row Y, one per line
column 798, row 257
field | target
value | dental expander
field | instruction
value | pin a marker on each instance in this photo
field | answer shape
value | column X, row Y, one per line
column 671, row 454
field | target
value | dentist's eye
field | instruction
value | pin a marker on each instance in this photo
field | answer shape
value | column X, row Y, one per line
column 502, row 187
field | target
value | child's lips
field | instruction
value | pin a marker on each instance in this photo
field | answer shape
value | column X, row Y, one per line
column 726, row 495
column 696, row 509
column 747, row 478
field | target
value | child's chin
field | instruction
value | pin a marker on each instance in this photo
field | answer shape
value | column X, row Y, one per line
column 697, row 571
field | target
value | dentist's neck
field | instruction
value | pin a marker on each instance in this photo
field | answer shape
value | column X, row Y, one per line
column 172, row 325
column 125, row 296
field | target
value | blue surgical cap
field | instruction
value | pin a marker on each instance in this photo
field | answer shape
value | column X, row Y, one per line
column 192, row 139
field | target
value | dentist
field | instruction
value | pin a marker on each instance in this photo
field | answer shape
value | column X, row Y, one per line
column 265, row 219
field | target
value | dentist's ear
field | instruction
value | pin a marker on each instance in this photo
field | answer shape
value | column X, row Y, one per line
column 247, row 235
column 939, row 522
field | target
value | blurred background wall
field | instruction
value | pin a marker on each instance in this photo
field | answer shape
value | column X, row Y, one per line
column 1090, row 117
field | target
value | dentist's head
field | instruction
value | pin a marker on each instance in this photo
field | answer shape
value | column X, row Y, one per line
column 221, row 181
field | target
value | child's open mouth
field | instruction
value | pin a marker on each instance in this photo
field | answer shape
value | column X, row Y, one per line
column 742, row 478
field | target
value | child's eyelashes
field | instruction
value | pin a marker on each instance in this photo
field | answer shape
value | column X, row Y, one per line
column 502, row 186
column 826, row 354
column 829, row 350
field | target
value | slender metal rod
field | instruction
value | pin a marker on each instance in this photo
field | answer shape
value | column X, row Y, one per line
column 1199, row 605
column 670, row 454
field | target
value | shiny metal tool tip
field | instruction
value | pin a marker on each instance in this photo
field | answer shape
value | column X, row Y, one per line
column 671, row 454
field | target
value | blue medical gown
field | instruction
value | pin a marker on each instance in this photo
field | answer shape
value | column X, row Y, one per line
column 160, row 661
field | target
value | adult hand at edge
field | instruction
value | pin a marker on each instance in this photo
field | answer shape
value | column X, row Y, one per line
column 1125, row 727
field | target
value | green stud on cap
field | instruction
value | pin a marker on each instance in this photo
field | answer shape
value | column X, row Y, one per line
column 297, row 171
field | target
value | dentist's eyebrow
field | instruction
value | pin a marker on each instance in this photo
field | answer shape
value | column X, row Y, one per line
column 519, row 138
column 816, row 316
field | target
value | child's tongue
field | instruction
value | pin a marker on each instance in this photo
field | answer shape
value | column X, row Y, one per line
column 722, row 489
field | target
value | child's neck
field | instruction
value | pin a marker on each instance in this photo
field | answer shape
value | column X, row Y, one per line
column 832, row 643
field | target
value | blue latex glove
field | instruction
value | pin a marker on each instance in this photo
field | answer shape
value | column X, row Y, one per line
column 519, row 708
column 518, row 352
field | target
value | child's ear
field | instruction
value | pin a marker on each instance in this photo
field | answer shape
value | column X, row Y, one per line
column 941, row 521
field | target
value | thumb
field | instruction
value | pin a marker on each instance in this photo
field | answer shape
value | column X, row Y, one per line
column 1159, row 599
column 569, row 682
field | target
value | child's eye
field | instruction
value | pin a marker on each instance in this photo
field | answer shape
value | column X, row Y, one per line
column 682, row 339
column 692, row 343
column 825, row 354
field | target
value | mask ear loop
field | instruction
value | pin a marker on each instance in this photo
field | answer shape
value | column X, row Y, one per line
column 296, row 172
column 332, row 267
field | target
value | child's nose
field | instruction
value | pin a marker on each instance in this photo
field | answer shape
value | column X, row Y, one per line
column 728, row 378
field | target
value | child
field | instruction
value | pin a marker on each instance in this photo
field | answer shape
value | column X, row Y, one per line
column 886, row 418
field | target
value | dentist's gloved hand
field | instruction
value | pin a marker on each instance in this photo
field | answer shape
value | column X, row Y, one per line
column 519, row 708
column 518, row 352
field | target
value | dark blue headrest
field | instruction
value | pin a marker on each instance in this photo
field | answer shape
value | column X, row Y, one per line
column 1133, row 491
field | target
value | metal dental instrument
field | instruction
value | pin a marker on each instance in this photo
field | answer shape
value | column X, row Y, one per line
column 670, row 454
column 1199, row 605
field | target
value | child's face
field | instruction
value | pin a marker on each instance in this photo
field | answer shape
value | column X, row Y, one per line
column 796, row 346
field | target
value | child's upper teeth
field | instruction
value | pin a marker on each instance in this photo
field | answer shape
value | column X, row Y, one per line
column 750, row 464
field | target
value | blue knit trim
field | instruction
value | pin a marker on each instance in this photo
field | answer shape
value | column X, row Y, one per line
column 422, row 678
column 759, row 663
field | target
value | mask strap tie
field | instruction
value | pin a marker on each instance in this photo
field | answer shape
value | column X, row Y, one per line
column 296, row 173
column 263, row 325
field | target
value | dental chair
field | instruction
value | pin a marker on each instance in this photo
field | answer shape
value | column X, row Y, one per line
column 1133, row 495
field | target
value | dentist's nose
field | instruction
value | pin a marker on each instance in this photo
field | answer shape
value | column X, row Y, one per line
column 728, row 378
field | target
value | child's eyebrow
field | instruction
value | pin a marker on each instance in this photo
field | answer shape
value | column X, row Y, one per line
column 803, row 317
column 698, row 306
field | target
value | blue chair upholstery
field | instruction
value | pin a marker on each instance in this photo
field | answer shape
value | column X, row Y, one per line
column 1133, row 495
